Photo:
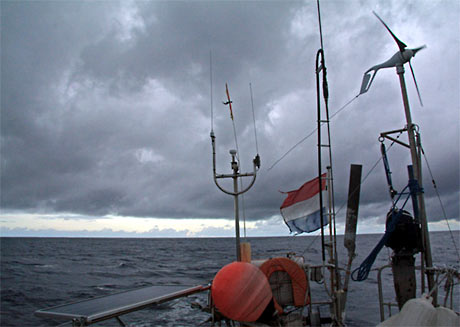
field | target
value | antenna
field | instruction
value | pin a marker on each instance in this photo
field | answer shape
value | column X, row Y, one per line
column 210, row 82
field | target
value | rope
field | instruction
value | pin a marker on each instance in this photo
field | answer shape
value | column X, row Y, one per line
column 311, row 243
column 440, row 202
column 368, row 174
column 310, row 134
column 351, row 194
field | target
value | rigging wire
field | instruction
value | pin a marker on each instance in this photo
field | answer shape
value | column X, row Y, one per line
column 238, row 159
column 236, row 143
column 254, row 118
column 369, row 172
column 362, row 182
column 243, row 207
column 440, row 202
column 311, row 133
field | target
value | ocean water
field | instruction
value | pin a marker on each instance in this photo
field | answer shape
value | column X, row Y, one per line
column 41, row 272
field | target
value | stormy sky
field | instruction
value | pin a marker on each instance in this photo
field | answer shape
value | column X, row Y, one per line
column 106, row 110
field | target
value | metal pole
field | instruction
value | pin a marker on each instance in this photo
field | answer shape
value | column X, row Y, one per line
column 417, row 170
column 236, row 206
column 237, row 216
column 318, row 101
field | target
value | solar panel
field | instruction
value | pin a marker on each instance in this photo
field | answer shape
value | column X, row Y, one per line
column 110, row 306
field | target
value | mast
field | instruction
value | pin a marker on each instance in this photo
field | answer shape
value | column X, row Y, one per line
column 417, row 164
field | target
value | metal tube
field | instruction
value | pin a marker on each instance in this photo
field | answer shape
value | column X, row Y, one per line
column 393, row 131
column 417, row 170
column 237, row 221
column 397, row 141
column 237, row 210
column 379, row 284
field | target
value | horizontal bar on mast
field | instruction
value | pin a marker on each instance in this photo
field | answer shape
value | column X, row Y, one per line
column 397, row 141
column 394, row 131
column 232, row 175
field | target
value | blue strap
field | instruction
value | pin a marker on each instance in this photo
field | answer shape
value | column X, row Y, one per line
column 362, row 272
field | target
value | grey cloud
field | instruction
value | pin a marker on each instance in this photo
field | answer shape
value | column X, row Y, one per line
column 103, row 117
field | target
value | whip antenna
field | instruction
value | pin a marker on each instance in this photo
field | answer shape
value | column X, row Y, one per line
column 319, row 23
column 210, row 82
column 254, row 118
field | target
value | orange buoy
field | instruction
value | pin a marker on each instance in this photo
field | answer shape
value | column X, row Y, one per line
column 241, row 292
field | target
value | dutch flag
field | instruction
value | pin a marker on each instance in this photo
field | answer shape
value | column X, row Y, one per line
column 301, row 208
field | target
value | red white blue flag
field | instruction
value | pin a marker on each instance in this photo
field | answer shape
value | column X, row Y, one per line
column 301, row 208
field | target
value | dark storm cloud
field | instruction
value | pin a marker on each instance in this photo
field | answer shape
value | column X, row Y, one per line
column 106, row 106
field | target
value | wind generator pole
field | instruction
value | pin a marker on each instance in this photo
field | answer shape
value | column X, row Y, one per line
column 418, row 174
column 403, row 56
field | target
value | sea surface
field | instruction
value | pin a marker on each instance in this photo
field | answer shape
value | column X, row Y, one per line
column 42, row 272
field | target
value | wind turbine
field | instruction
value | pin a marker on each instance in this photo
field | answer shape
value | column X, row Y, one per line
column 401, row 57
column 398, row 60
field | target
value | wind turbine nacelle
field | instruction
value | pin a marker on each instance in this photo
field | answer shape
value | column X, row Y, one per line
column 398, row 59
column 403, row 56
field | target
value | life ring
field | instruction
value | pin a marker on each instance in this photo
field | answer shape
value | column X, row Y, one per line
column 298, row 279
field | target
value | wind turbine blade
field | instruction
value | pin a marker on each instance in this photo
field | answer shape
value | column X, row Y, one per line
column 418, row 49
column 415, row 82
column 400, row 43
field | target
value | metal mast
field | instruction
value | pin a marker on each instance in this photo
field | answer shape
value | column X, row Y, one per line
column 330, row 244
column 417, row 164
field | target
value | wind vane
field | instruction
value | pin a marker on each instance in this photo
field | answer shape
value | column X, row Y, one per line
column 229, row 102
